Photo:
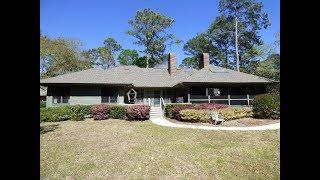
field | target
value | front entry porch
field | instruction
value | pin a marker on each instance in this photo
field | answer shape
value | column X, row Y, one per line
column 230, row 94
column 148, row 96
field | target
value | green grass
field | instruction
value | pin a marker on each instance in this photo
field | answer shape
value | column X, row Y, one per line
column 141, row 150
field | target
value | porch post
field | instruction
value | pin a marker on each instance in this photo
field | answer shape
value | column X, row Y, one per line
column 188, row 97
column 209, row 98
column 229, row 99
column 248, row 99
column 109, row 99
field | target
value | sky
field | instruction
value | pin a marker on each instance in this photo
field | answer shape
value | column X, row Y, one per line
column 91, row 21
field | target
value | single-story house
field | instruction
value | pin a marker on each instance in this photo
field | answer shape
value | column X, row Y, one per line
column 135, row 85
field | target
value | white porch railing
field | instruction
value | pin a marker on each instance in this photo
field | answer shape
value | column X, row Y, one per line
column 226, row 98
column 162, row 105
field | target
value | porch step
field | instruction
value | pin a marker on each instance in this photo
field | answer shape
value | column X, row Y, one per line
column 156, row 112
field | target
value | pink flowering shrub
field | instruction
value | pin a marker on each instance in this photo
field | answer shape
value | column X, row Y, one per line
column 210, row 106
column 100, row 111
column 138, row 112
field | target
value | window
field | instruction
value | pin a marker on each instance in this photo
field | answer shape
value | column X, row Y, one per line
column 60, row 99
column 213, row 91
column 60, row 95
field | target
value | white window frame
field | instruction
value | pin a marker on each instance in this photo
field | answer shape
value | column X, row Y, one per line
column 61, row 99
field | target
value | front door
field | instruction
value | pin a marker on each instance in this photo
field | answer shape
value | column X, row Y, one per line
column 154, row 96
column 156, row 99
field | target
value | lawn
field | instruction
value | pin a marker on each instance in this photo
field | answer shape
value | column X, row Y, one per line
column 141, row 150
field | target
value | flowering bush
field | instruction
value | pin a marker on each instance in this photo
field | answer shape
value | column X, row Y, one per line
column 194, row 115
column 210, row 106
column 235, row 113
column 204, row 106
column 176, row 111
column 100, row 111
column 138, row 112
column 170, row 106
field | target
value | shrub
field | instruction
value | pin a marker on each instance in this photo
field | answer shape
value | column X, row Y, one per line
column 266, row 106
column 205, row 106
column 55, row 114
column 78, row 112
column 235, row 112
column 100, row 111
column 117, row 112
column 43, row 104
column 176, row 110
column 204, row 115
column 170, row 106
column 273, row 88
column 193, row 115
column 87, row 110
column 137, row 112
column 210, row 106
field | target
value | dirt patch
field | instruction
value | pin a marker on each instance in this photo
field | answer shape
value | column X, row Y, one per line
column 243, row 122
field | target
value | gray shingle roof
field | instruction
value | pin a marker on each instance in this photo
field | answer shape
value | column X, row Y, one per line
column 153, row 77
column 223, row 75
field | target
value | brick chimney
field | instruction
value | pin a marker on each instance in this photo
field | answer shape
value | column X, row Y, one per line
column 204, row 61
column 172, row 67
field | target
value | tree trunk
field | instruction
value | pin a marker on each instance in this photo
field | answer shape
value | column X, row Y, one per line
column 236, row 37
column 227, row 60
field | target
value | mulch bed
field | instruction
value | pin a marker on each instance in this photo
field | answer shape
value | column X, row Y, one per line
column 243, row 122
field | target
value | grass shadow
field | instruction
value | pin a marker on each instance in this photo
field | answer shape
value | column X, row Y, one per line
column 48, row 128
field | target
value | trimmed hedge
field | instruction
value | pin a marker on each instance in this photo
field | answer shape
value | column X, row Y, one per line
column 194, row 115
column 78, row 113
column 117, row 112
column 266, row 106
column 55, row 114
column 87, row 110
column 137, row 112
column 43, row 104
column 235, row 113
column 175, row 112
column 62, row 113
column 100, row 111
column 202, row 115
column 170, row 106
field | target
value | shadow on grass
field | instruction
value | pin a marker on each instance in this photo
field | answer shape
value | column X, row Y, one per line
column 48, row 128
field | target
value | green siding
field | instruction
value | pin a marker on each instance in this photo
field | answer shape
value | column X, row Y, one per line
column 49, row 101
column 85, row 100
column 85, row 95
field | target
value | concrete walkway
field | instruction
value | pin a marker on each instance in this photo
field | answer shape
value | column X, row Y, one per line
column 163, row 122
